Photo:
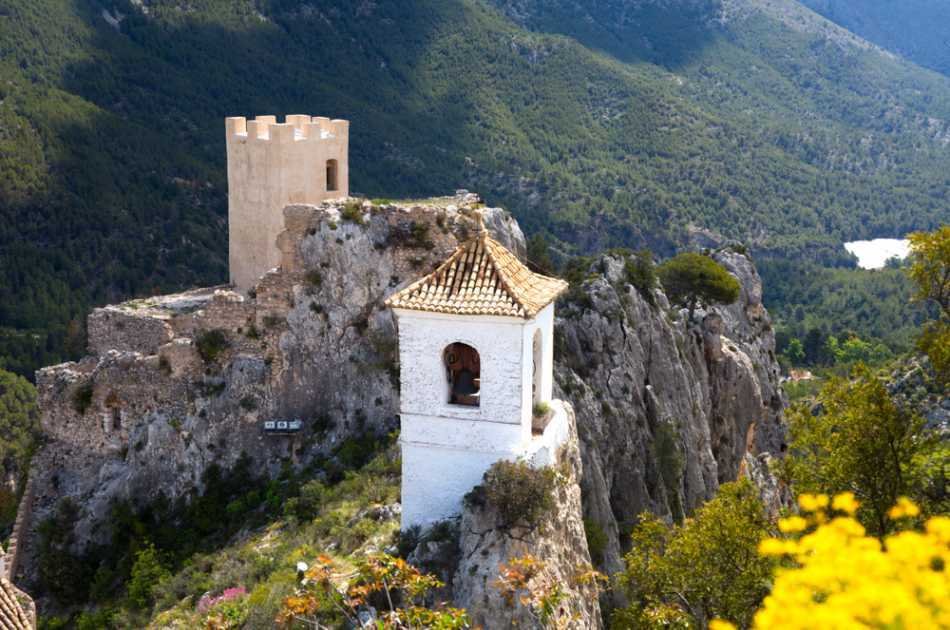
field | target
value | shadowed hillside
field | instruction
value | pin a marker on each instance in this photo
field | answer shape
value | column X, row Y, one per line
column 732, row 120
column 917, row 29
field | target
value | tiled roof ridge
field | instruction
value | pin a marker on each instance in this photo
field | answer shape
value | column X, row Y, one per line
column 481, row 277
column 502, row 273
column 12, row 614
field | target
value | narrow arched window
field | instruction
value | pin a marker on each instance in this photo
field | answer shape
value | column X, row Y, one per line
column 463, row 370
column 331, row 175
column 537, row 361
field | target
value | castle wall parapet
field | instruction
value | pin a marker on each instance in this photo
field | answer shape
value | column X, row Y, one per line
column 11, row 561
column 295, row 128
column 110, row 328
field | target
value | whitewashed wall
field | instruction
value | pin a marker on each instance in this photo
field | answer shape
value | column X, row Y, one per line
column 446, row 448
column 423, row 338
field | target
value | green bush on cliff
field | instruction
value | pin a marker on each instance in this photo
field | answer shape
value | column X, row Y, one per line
column 641, row 273
column 211, row 343
column 596, row 540
column 147, row 574
column 521, row 494
column 82, row 398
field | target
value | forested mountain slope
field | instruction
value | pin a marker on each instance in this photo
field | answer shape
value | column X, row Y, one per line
column 916, row 29
column 757, row 120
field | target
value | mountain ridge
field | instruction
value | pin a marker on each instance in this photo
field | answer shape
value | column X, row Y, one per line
column 114, row 133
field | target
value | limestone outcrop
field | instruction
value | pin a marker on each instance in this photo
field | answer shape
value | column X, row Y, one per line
column 177, row 383
column 667, row 410
column 556, row 549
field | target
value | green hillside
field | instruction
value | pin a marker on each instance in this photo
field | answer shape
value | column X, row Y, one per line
column 112, row 174
column 917, row 29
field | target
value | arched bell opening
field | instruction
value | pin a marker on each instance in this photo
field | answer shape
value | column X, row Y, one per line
column 463, row 371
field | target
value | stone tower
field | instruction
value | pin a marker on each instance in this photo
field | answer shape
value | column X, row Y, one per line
column 271, row 165
column 476, row 347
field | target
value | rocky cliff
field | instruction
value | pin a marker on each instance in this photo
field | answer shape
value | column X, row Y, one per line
column 666, row 410
column 555, row 570
column 175, row 384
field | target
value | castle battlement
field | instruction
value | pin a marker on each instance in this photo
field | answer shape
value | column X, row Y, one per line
column 303, row 160
column 296, row 127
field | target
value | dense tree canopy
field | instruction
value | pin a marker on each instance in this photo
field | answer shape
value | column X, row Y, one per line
column 930, row 271
column 930, row 267
column 811, row 304
column 859, row 440
column 708, row 567
column 18, row 433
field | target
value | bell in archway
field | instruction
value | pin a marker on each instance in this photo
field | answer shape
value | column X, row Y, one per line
column 464, row 384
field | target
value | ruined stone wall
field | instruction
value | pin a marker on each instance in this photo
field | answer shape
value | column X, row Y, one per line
column 10, row 562
column 114, row 329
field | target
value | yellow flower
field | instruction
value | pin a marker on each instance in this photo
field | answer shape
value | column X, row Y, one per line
column 719, row 624
column 845, row 502
column 813, row 502
column 905, row 508
column 776, row 547
column 939, row 528
column 842, row 578
column 792, row 524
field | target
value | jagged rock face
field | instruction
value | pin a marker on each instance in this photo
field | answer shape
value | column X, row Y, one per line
column 666, row 411
column 558, row 543
column 159, row 401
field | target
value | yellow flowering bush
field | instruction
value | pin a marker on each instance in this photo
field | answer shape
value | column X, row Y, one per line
column 836, row 576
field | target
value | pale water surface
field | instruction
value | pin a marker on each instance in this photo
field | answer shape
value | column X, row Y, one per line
column 873, row 254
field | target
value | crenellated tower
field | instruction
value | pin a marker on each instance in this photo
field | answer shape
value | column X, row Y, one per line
column 271, row 165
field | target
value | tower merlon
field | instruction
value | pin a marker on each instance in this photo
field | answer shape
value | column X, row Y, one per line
column 265, row 128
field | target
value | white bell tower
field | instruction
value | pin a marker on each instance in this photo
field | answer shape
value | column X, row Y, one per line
column 476, row 353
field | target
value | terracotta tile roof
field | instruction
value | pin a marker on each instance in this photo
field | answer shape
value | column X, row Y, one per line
column 480, row 278
column 13, row 615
